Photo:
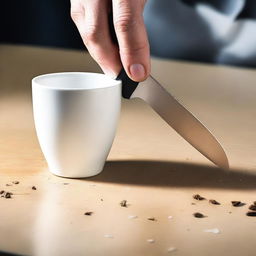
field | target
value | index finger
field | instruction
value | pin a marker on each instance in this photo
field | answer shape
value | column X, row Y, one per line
column 132, row 37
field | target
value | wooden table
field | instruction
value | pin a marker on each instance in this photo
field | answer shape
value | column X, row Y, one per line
column 150, row 166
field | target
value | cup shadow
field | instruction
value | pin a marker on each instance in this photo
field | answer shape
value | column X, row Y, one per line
column 174, row 174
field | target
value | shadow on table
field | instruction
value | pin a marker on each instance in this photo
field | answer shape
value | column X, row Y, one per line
column 174, row 174
column 8, row 254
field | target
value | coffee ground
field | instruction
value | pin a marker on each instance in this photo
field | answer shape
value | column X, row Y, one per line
column 198, row 197
column 212, row 201
column 237, row 203
column 6, row 194
column 123, row 203
column 252, row 207
column 198, row 215
column 251, row 214
column 152, row 219
column 88, row 213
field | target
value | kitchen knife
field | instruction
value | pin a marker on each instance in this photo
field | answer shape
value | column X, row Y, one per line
column 176, row 115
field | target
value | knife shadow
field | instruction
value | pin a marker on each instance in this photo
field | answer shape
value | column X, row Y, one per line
column 174, row 174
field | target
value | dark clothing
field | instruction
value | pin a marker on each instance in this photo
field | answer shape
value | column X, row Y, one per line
column 219, row 31
column 38, row 22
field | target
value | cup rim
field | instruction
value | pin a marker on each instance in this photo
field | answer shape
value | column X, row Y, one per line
column 112, row 82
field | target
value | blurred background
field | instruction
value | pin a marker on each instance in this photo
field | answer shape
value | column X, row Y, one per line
column 45, row 23
column 216, row 31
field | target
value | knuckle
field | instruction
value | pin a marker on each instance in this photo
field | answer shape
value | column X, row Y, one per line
column 128, row 14
column 92, row 34
column 124, row 23
column 134, row 49
column 76, row 13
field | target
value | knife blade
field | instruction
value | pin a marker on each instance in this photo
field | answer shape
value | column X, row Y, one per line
column 176, row 115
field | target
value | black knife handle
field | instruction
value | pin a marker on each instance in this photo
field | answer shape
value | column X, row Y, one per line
column 128, row 85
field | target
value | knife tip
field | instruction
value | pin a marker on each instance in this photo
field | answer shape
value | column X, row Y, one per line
column 223, row 162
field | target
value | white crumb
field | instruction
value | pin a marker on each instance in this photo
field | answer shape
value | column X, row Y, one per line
column 171, row 249
column 132, row 217
column 108, row 236
column 170, row 217
column 151, row 241
column 213, row 230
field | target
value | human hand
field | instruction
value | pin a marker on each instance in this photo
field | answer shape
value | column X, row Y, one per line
column 132, row 52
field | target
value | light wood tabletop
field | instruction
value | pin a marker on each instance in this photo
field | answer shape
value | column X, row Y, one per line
column 149, row 165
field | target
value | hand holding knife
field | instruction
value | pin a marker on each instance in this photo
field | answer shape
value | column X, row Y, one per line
column 114, row 33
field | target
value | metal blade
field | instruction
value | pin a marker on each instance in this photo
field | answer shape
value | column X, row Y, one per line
column 181, row 120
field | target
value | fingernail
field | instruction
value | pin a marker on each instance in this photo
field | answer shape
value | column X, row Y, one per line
column 137, row 72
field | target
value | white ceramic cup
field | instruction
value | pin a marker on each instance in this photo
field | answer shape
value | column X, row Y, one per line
column 76, row 116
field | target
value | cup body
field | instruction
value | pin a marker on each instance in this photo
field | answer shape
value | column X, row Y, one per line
column 76, row 116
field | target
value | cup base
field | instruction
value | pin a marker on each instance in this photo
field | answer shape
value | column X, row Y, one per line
column 60, row 174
